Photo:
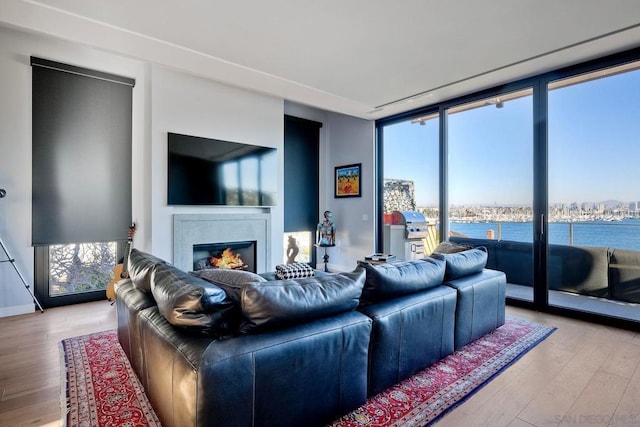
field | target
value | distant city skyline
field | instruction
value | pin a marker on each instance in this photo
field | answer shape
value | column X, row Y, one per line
column 594, row 148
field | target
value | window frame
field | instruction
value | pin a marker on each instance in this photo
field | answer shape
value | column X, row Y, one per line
column 539, row 83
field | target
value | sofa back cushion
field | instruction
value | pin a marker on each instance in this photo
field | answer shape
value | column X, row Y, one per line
column 192, row 303
column 389, row 280
column 490, row 244
column 140, row 266
column 462, row 264
column 281, row 302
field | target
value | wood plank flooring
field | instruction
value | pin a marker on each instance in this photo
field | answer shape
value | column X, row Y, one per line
column 582, row 375
column 30, row 359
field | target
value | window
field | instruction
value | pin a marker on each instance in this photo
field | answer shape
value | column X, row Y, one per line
column 81, row 177
column 593, row 187
column 490, row 140
column 411, row 171
column 78, row 268
column 547, row 170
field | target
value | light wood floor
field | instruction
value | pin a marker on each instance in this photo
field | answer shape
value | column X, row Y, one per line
column 582, row 375
column 30, row 359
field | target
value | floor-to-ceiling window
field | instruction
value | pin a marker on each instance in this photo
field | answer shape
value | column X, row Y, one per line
column 594, row 152
column 489, row 140
column 411, row 176
column 547, row 169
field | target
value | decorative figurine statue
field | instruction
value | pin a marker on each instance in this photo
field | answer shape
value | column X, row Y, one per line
column 292, row 249
column 327, row 230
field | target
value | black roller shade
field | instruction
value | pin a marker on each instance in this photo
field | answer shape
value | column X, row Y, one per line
column 301, row 174
column 81, row 137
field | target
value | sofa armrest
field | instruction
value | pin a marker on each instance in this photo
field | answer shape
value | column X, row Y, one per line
column 129, row 302
column 409, row 333
column 481, row 305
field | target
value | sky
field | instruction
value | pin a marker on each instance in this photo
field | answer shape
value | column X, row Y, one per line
column 594, row 148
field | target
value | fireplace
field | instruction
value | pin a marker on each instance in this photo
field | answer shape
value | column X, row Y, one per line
column 190, row 230
column 227, row 255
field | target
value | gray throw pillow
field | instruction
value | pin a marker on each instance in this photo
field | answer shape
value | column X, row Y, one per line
column 229, row 280
column 448, row 247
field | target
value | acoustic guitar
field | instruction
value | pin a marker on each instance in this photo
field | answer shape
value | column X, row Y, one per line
column 121, row 270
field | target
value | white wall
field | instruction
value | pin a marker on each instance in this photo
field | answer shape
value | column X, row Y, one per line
column 345, row 140
column 164, row 101
column 191, row 105
column 351, row 141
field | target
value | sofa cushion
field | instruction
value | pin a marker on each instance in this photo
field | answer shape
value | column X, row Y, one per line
column 193, row 303
column 389, row 280
column 281, row 302
column 140, row 266
column 491, row 245
column 463, row 263
column 229, row 280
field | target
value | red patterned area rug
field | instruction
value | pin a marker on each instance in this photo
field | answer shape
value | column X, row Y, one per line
column 101, row 389
column 423, row 398
column 99, row 386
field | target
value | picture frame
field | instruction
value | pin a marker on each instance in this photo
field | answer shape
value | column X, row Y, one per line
column 348, row 181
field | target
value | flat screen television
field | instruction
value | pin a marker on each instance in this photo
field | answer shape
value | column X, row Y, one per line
column 204, row 171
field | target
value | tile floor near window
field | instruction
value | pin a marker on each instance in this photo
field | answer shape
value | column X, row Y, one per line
column 582, row 375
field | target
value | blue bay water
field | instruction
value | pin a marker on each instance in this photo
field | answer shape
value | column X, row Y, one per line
column 614, row 234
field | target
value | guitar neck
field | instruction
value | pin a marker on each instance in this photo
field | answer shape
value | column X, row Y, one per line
column 125, row 261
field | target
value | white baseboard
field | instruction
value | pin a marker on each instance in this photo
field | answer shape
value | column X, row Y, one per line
column 17, row 309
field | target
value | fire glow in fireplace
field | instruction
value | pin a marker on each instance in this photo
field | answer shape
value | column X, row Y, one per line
column 230, row 255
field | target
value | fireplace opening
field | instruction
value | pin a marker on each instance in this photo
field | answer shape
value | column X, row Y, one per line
column 229, row 255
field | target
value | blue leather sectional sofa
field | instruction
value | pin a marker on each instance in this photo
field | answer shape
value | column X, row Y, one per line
column 258, row 352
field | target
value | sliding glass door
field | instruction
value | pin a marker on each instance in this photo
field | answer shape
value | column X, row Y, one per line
column 594, row 221
column 545, row 176
column 490, row 180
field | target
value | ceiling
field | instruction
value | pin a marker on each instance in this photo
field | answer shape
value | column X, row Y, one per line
column 365, row 58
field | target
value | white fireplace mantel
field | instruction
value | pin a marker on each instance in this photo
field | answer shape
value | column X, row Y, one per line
column 196, row 229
